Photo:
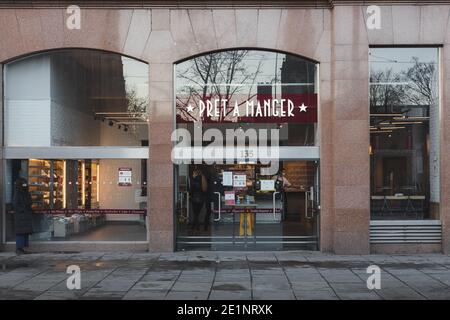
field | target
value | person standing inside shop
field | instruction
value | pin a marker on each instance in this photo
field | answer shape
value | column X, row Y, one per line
column 198, row 190
column 281, row 183
column 23, row 216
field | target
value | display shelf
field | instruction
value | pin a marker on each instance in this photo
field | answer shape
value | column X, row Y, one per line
column 44, row 178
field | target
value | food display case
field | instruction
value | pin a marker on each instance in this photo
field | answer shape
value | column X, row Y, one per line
column 64, row 184
column 46, row 183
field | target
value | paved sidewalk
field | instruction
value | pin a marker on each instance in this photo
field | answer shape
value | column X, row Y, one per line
column 223, row 275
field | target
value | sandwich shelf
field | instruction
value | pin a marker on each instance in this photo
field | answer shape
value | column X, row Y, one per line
column 46, row 178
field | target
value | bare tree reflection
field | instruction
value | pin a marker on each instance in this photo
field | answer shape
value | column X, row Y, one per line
column 219, row 75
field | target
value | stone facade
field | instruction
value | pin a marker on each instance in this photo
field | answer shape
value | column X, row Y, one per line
column 335, row 37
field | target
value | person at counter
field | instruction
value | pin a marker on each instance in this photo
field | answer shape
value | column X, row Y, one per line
column 281, row 180
column 281, row 183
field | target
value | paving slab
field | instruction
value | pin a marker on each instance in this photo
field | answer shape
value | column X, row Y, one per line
column 223, row 275
column 232, row 286
column 113, row 285
column 322, row 294
column 355, row 295
column 137, row 294
column 187, row 295
column 153, row 285
column 94, row 294
column 399, row 293
column 230, row 295
column 273, row 294
column 61, row 295
column 191, row 286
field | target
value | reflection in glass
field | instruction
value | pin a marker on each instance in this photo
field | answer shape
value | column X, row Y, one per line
column 80, row 200
column 404, row 133
column 76, row 97
column 231, row 78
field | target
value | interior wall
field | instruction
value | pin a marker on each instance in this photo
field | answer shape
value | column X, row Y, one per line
column 27, row 102
column 2, row 164
column 49, row 102
column 113, row 196
column 72, row 119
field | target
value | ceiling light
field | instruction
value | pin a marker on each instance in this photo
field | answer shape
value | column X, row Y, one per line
column 407, row 122
column 385, row 114
column 391, row 128
column 411, row 118
column 381, row 131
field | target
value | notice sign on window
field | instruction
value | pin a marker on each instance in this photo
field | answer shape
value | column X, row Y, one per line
column 229, row 198
column 267, row 185
column 125, row 177
column 227, row 180
column 239, row 180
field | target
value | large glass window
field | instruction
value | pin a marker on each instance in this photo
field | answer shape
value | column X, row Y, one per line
column 76, row 129
column 246, row 79
column 404, row 133
column 81, row 200
column 76, row 98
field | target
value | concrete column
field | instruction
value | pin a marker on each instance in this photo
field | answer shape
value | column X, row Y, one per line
column 445, row 151
column 160, row 171
column 350, row 130
column 2, row 163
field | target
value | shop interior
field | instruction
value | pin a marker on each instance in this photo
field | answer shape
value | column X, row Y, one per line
column 82, row 200
column 258, row 212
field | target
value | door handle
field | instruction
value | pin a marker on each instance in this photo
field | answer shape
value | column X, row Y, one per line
column 273, row 200
column 187, row 205
column 307, row 205
column 220, row 205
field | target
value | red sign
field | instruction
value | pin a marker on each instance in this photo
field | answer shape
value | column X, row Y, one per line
column 90, row 211
column 262, row 108
column 230, row 198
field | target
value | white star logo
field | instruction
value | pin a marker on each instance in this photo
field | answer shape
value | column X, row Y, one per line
column 303, row 107
column 190, row 108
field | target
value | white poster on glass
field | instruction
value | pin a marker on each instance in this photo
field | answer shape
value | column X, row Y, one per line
column 125, row 177
column 227, row 180
column 267, row 185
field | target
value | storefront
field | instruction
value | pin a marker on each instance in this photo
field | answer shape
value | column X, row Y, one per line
column 303, row 126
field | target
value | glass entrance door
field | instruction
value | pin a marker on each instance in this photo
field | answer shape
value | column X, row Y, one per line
column 241, row 209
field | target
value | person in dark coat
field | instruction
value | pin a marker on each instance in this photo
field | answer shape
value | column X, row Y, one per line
column 198, row 186
column 23, row 216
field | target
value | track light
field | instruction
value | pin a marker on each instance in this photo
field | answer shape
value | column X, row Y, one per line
column 111, row 123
